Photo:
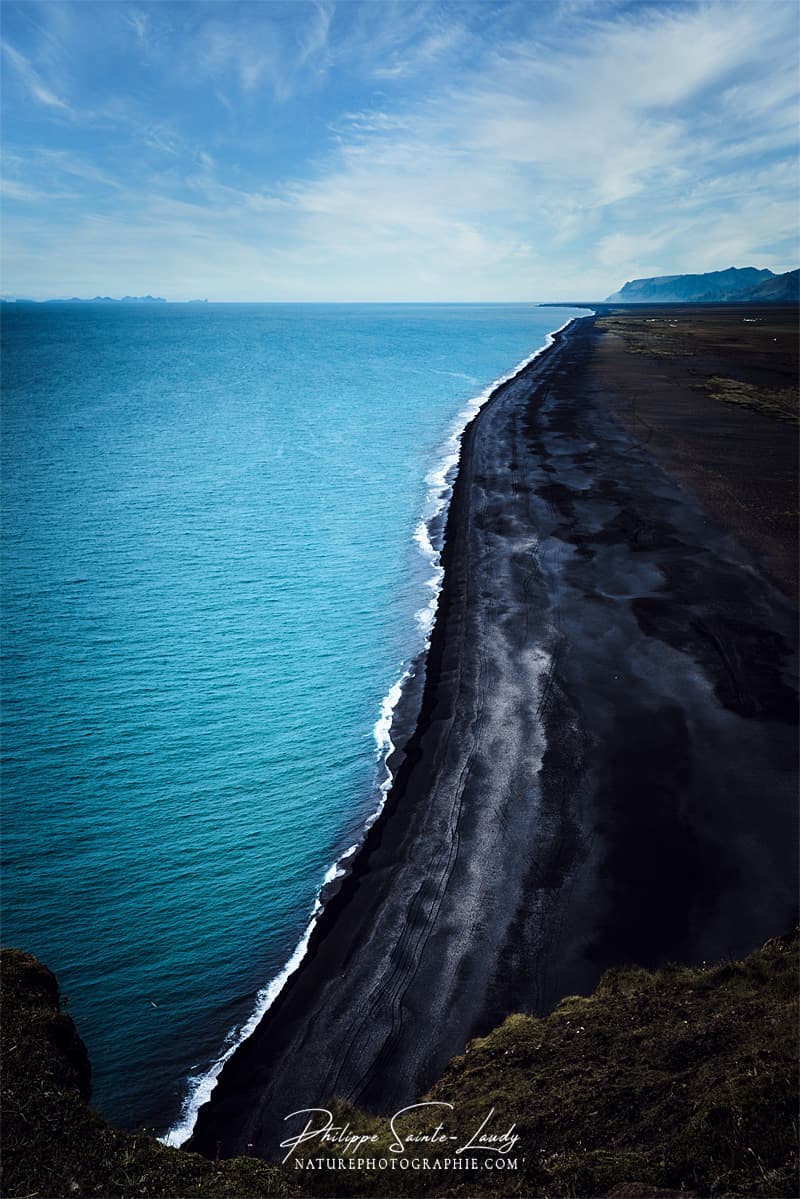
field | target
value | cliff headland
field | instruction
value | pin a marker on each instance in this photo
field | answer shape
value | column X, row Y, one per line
column 682, row 1082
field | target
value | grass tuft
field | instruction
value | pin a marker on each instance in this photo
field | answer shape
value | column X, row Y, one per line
column 678, row 1082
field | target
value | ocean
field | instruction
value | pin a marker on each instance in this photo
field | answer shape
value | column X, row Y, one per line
column 219, row 557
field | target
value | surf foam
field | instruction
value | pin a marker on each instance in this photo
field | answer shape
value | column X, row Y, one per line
column 429, row 536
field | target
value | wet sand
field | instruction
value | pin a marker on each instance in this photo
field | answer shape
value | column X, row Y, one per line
column 603, row 769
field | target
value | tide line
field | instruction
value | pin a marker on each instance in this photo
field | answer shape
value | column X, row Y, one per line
column 429, row 537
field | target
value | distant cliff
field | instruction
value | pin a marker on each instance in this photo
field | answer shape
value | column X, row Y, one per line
column 93, row 300
column 783, row 288
column 113, row 300
column 733, row 285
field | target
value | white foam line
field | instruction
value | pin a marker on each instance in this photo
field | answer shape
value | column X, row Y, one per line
column 440, row 483
column 440, row 489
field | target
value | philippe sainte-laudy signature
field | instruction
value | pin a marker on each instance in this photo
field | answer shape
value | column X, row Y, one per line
column 321, row 1131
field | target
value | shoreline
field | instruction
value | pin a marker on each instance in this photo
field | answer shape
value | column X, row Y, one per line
column 420, row 938
column 395, row 728
column 414, row 698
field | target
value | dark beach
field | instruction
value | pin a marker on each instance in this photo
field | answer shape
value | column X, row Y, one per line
column 604, row 766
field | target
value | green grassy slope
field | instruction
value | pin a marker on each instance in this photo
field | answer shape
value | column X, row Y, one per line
column 683, row 1081
column 54, row 1144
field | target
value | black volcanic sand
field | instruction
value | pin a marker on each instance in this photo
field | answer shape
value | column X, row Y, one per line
column 602, row 771
column 702, row 387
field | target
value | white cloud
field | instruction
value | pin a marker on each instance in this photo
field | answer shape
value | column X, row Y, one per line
column 264, row 51
column 13, row 189
column 617, row 142
column 141, row 26
column 33, row 82
column 74, row 164
column 420, row 55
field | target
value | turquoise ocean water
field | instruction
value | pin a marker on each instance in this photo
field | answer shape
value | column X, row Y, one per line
column 214, row 575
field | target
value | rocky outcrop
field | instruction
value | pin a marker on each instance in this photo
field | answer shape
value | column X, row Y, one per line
column 733, row 285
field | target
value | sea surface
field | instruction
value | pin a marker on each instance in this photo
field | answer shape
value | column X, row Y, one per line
column 214, row 575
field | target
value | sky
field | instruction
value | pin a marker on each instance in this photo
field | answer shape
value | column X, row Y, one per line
column 394, row 150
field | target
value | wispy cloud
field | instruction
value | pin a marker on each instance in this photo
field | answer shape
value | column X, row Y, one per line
column 34, row 84
column 139, row 23
column 13, row 189
column 423, row 149
column 626, row 121
column 261, row 50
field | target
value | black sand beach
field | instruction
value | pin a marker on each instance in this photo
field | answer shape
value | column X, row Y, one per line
column 603, row 770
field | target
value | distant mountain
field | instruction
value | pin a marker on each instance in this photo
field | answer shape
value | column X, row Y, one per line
column 785, row 288
column 735, row 284
column 111, row 300
column 6, row 299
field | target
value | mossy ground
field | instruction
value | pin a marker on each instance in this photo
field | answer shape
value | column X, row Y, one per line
column 780, row 403
column 54, row 1145
column 757, row 341
column 683, row 1081
column 656, row 337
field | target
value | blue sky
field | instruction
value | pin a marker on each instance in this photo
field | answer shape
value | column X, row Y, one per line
column 414, row 150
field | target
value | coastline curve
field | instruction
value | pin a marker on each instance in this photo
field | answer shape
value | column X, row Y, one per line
column 390, row 739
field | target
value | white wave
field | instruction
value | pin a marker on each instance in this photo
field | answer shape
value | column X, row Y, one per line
column 441, row 477
column 440, row 489
column 200, row 1088
column 383, row 725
